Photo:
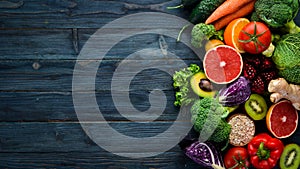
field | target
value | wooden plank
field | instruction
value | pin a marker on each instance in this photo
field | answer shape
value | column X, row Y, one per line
column 52, row 137
column 36, row 44
column 75, row 14
column 40, row 142
column 56, row 75
column 168, row 160
column 40, row 44
column 58, row 106
column 79, row 14
column 17, row 137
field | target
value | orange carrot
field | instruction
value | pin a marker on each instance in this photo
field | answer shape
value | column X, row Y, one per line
column 244, row 11
column 226, row 8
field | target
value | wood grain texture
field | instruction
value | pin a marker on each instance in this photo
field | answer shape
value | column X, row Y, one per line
column 51, row 44
column 58, row 106
column 22, row 137
column 101, row 159
column 76, row 14
column 40, row 42
column 56, row 75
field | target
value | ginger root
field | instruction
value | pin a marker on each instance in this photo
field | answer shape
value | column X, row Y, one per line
column 280, row 89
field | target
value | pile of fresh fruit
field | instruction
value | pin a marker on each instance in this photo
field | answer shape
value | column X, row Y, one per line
column 244, row 98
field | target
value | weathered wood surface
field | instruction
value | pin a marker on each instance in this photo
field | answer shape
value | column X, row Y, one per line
column 75, row 14
column 100, row 159
column 40, row 42
column 48, row 44
column 58, row 106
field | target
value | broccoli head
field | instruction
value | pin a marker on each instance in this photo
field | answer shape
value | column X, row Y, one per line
column 278, row 13
column 202, row 31
column 207, row 119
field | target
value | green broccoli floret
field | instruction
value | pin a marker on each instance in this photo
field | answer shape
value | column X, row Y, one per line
column 291, row 27
column 202, row 31
column 278, row 13
column 184, row 96
column 207, row 118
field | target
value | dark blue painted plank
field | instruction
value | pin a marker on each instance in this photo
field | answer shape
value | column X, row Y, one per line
column 39, row 137
column 41, row 44
column 36, row 44
column 56, row 75
column 71, row 146
column 102, row 160
column 37, row 61
column 76, row 14
column 58, row 106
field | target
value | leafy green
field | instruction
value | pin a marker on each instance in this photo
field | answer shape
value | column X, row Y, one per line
column 287, row 57
column 278, row 13
column 287, row 51
column 292, row 75
column 203, row 9
column 254, row 17
column 207, row 118
column 202, row 31
column 181, row 78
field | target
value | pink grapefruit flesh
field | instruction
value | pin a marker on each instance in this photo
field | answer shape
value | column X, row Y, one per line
column 222, row 64
column 282, row 119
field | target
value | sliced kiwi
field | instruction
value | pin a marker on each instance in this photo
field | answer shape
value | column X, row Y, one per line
column 290, row 157
column 256, row 107
column 201, row 85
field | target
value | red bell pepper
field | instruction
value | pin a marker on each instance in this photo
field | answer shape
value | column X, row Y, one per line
column 264, row 151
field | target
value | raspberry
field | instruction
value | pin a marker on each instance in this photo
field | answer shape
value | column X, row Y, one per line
column 249, row 71
column 268, row 76
column 253, row 60
column 258, row 85
column 266, row 63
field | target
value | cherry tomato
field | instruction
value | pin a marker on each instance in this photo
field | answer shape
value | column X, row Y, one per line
column 255, row 37
column 236, row 158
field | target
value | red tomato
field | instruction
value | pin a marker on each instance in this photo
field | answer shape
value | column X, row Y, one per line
column 236, row 158
column 255, row 37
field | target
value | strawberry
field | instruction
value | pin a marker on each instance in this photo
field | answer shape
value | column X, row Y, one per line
column 258, row 85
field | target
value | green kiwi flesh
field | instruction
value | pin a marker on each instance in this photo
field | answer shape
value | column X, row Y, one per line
column 290, row 157
column 256, row 107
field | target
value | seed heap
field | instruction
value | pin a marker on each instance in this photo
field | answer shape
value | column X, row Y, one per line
column 242, row 130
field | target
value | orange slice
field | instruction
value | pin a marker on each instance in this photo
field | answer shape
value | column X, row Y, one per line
column 232, row 32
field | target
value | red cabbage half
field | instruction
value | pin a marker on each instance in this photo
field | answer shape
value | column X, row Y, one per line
column 204, row 154
column 236, row 93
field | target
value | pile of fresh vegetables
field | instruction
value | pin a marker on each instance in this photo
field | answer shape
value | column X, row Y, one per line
column 239, row 125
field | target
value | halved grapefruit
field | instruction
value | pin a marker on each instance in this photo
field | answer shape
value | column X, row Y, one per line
column 282, row 119
column 222, row 64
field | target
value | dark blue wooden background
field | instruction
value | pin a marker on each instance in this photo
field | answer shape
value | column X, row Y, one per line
column 39, row 44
